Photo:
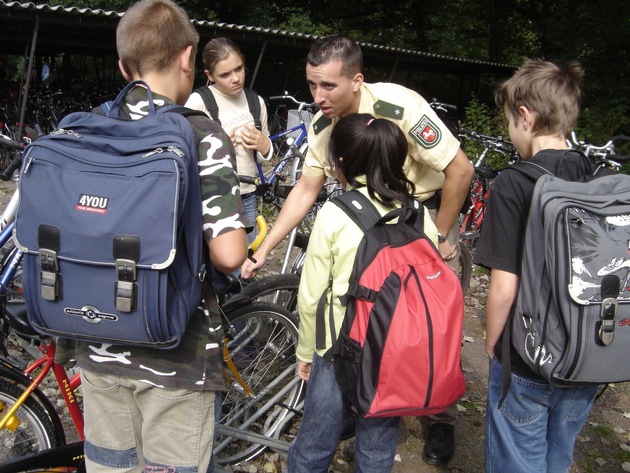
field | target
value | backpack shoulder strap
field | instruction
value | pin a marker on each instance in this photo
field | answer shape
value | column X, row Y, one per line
column 359, row 208
column 184, row 111
column 253, row 103
column 210, row 102
column 533, row 171
column 362, row 212
column 529, row 169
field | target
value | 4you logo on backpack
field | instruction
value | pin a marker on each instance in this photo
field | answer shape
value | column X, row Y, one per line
column 399, row 348
column 92, row 203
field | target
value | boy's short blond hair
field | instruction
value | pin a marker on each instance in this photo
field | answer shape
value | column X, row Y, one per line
column 151, row 34
column 551, row 91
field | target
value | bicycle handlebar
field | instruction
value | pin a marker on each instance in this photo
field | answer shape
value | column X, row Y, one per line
column 434, row 104
column 605, row 153
column 301, row 105
column 497, row 143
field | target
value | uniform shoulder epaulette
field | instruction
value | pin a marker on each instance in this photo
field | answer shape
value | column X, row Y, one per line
column 321, row 124
column 388, row 110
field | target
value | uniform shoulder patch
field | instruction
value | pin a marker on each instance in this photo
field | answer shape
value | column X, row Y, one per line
column 426, row 133
column 321, row 124
column 388, row 110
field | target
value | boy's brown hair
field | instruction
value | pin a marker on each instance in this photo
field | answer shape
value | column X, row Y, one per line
column 151, row 34
column 551, row 91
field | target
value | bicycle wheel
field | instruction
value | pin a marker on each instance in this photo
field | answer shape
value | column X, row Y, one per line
column 464, row 269
column 261, row 342
column 280, row 289
column 32, row 429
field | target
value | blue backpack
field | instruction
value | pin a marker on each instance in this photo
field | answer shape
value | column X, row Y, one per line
column 110, row 225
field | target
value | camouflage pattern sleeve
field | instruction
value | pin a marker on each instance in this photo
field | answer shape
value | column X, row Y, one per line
column 223, row 209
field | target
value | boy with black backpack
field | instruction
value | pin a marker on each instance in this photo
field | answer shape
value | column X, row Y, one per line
column 534, row 427
column 146, row 408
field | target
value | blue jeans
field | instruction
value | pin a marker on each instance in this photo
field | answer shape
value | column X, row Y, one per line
column 249, row 200
column 536, row 427
column 324, row 412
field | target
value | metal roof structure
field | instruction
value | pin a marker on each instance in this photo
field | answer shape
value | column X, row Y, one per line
column 92, row 32
column 274, row 57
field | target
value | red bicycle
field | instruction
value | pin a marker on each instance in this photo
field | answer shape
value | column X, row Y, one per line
column 481, row 185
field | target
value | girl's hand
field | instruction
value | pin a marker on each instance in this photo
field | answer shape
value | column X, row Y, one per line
column 255, row 139
column 303, row 370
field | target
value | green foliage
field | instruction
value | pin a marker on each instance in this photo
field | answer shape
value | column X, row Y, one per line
column 485, row 121
column 109, row 5
column 599, row 122
column 596, row 33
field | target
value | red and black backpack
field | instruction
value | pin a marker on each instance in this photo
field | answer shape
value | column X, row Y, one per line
column 398, row 350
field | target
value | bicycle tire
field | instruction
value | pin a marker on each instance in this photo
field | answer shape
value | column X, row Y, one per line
column 464, row 269
column 262, row 341
column 278, row 289
column 63, row 458
column 34, row 430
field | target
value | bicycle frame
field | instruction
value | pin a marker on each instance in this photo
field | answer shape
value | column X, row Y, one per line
column 298, row 141
column 67, row 385
column 297, row 148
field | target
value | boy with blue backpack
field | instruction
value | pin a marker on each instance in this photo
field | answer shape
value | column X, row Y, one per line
column 149, row 408
column 532, row 426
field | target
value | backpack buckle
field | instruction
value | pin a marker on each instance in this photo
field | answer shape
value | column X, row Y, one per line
column 609, row 291
column 607, row 322
column 126, row 290
column 126, row 253
column 49, row 274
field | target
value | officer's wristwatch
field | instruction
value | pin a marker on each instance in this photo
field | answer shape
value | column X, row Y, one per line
column 442, row 238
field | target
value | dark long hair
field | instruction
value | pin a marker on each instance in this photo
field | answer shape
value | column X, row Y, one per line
column 376, row 148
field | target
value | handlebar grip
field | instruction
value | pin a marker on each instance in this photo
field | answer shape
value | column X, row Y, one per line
column 248, row 180
column 10, row 169
column 620, row 138
column 8, row 142
column 277, row 97
column 619, row 158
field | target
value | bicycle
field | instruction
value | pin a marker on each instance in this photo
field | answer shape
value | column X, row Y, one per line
column 481, row 185
column 262, row 393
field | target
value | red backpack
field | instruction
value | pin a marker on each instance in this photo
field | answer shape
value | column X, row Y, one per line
column 398, row 350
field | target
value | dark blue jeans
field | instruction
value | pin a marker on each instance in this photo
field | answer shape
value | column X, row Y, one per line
column 324, row 412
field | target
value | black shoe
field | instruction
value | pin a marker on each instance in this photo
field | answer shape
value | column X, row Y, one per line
column 439, row 448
